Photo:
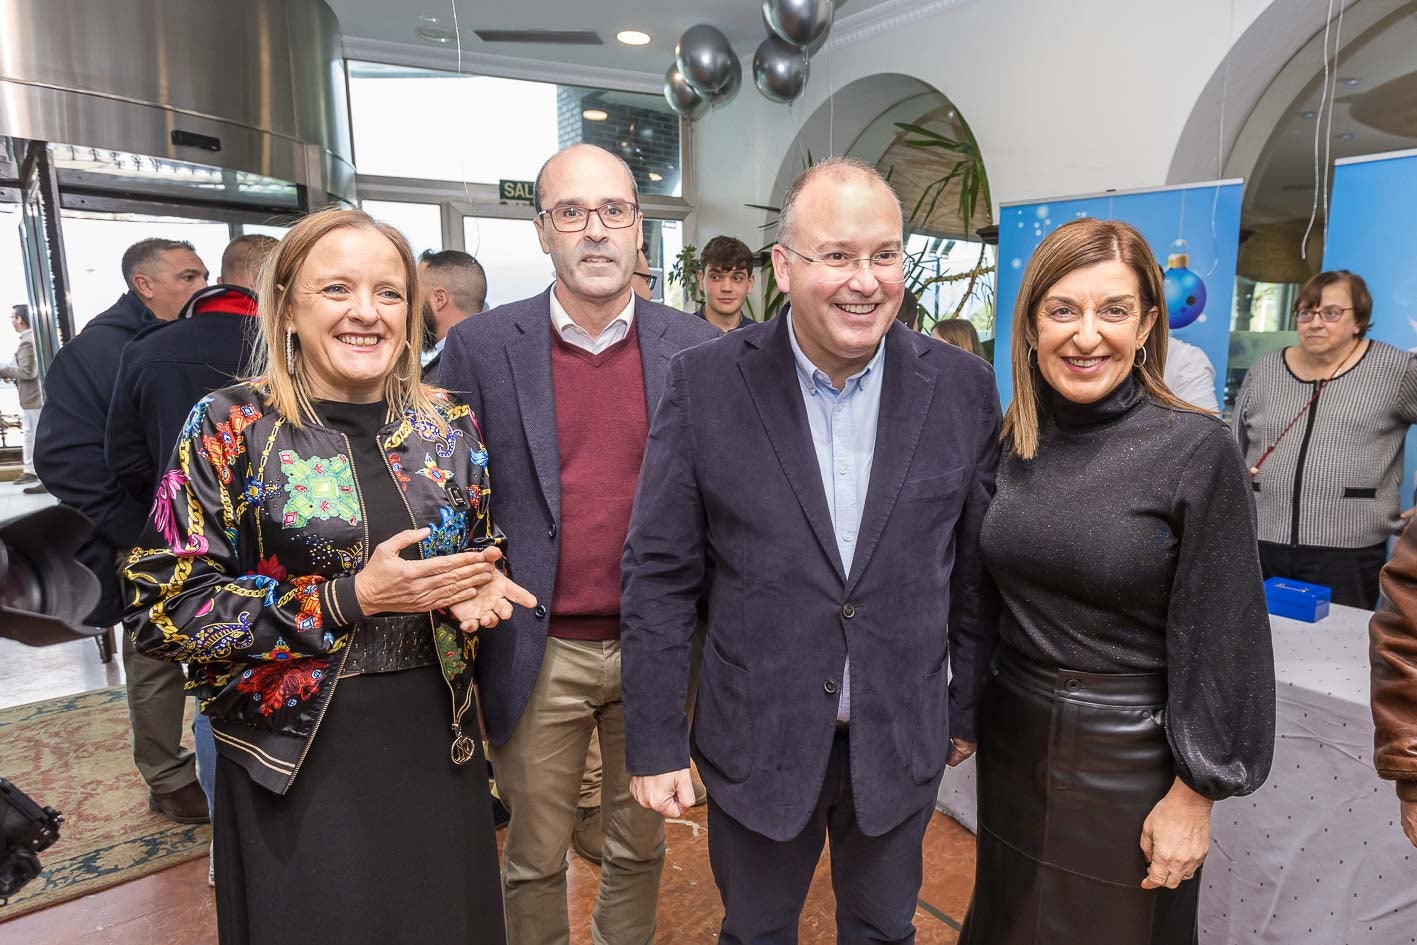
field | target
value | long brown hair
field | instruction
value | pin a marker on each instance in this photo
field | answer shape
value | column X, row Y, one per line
column 1070, row 247
column 289, row 391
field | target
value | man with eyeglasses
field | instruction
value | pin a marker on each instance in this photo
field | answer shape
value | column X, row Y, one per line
column 563, row 385
column 832, row 467
column 725, row 279
column 644, row 280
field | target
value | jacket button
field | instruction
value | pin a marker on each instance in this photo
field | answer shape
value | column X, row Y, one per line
column 551, row 532
column 848, row 610
column 540, row 610
column 829, row 687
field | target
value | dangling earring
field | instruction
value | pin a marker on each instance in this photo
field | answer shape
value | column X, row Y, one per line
column 1142, row 352
column 290, row 352
column 1032, row 356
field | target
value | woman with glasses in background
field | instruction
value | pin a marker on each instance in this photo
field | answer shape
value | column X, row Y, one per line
column 1321, row 425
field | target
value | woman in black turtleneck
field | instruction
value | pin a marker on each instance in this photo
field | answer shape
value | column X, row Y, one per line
column 1134, row 681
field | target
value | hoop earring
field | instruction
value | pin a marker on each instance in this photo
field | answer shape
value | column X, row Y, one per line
column 290, row 352
column 1032, row 356
column 1142, row 352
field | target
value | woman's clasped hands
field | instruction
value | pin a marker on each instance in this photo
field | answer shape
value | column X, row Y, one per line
column 467, row 583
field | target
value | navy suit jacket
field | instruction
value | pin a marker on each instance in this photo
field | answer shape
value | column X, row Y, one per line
column 731, row 481
column 500, row 363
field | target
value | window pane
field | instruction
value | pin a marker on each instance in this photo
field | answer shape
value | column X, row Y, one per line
column 951, row 262
column 14, row 290
column 420, row 223
column 665, row 240
column 511, row 257
column 504, row 128
column 94, row 245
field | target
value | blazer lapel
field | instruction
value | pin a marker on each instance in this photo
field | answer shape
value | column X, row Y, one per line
column 655, row 352
column 529, row 355
column 771, row 376
column 908, row 387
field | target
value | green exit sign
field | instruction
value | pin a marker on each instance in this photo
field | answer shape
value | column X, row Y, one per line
column 517, row 190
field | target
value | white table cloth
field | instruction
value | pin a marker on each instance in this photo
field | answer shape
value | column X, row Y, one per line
column 1316, row 856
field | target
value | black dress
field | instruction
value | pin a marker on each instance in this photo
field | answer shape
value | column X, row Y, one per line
column 380, row 838
column 1135, row 649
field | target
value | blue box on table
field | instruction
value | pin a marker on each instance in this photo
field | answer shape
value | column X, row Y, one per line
column 1297, row 600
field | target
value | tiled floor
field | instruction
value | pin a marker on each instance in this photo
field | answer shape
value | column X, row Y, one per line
column 175, row 907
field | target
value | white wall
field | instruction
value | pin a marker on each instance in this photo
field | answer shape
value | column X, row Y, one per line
column 1064, row 97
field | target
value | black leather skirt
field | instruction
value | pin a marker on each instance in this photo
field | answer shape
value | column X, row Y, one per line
column 1070, row 765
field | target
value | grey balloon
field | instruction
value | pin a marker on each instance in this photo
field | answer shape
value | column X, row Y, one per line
column 779, row 70
column 815, row 47
column 735, row 82
column 682, row 97
column 799, row 22
column 704, row 58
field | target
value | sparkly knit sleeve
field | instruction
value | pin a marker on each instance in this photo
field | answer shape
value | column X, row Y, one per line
column 1219, row 655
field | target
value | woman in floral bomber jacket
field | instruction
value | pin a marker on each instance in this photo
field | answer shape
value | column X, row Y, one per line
column 326, row 529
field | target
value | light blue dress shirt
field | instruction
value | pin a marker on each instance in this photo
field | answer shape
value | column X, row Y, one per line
column 843, row 424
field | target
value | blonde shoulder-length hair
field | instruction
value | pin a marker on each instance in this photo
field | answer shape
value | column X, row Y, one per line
column 1070, row 247
column 287, row 390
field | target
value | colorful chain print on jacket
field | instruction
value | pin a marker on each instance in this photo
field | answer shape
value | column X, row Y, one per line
column 318, row 488
column 250, row 530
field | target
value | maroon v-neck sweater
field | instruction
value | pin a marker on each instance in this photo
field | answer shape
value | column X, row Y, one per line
column 601, row 427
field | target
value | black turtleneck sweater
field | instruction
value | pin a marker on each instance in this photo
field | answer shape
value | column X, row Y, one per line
column 1127, row 545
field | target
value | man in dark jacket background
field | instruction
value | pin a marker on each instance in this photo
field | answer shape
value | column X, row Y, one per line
column 167, row 368
column 164, row 371
column 69, row 457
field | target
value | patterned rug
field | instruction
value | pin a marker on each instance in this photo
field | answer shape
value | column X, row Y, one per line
column 75, row 754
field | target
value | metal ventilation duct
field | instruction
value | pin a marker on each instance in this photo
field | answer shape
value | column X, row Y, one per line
column 545, row 37
column 256, row 86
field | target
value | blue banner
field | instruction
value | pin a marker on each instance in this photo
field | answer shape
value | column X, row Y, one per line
column 1372, row 230
column 1194, row 231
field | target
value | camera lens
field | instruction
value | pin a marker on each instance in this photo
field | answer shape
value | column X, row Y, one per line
column 22, row 588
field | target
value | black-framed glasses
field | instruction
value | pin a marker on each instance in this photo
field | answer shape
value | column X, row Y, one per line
column 650, row 278
column 614, row 215
column 888, row 265
column 1329, row 314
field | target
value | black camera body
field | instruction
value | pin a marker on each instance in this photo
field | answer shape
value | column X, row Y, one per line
column 44, row 595
column 25, row 830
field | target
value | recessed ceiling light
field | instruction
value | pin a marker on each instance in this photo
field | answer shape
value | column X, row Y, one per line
column 1345, row 136
column 655, row 176
column 633, row 37
column 595, row 114
column 436, row 34
column 428, row 18
column 1350, row 81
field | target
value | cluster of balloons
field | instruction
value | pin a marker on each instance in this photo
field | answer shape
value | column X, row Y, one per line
column 706, row 72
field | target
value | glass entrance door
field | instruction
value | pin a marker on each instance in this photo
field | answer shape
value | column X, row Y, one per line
column 43, row 245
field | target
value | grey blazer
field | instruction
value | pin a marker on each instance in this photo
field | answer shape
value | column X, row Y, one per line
column 735, row 487
column 500, row 363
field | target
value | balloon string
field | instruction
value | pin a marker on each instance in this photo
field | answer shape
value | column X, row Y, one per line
column 1318, row 130
column 1328, row 129
column 1220, row 137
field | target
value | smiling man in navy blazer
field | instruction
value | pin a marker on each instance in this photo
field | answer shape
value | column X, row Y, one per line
column 832, row 468
column 564, row 384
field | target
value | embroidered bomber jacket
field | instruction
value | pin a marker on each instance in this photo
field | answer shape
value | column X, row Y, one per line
column 246, row 567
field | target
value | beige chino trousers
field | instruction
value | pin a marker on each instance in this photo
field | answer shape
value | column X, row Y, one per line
column 539, row 776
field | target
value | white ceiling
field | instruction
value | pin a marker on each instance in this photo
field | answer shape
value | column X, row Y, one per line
column 1282, row 186
column 665, row 20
